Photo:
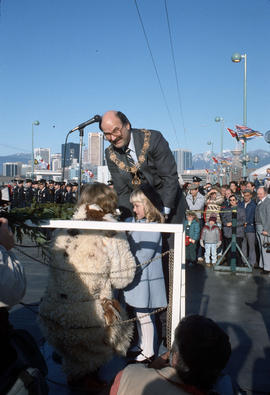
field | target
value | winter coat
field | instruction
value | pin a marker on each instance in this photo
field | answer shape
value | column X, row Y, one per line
column 213, row 206
column 77, row 309
column 250, row 216
column 211, row 234
column 194, row 230
column 196, row 204
column 147, row 290
column 226, row 217
column 262, row 214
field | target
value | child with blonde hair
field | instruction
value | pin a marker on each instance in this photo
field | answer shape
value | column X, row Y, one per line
column 147, row 291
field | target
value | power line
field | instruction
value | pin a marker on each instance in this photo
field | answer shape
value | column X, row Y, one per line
column 175, row 71
column 156, row 71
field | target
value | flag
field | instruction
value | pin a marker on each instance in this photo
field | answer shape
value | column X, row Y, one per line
column 247, row 133
column 215, row 159
column 233, row 133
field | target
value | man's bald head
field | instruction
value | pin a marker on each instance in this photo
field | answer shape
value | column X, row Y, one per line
column 116, row 128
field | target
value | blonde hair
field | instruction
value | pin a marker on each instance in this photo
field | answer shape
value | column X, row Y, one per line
column 152, row 214
column 100, row 194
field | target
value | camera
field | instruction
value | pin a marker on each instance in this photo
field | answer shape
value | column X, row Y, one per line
column 267, row 246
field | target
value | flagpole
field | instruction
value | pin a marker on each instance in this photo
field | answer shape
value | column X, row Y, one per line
column 236, row 58
column 245, row 115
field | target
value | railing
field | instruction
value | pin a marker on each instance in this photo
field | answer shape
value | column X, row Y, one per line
column 178, row 280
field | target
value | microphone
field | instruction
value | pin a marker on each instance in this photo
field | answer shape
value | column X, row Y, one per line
column 96, row 118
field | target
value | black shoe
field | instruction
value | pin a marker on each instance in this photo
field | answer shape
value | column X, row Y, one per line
column 256, row 267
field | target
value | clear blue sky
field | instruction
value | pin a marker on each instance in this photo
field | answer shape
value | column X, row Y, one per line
column 62, row 61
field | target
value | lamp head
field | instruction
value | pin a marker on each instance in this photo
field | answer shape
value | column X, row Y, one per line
column 267, row 137
column 236, row 57
column 218, row 119
column 36, row 123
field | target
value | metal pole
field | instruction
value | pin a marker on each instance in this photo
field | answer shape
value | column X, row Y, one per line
column 245, row 115
column 32, row 149
column 221, row 148
column 80, row 162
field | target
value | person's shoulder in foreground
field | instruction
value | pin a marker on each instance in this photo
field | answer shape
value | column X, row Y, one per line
column 191, row 367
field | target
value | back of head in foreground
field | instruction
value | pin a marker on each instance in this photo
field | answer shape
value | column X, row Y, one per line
column 202, row 351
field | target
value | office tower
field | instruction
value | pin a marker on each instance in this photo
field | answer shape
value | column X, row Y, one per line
column 183, row 159
column 72, row 152
column 12, row 169
column 95, row 148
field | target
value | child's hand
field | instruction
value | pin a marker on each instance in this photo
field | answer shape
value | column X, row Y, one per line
column 192, row 241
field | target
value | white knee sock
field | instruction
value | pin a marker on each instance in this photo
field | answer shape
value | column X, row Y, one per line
column 146, row 336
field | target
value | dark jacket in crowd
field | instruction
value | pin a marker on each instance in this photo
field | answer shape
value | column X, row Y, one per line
column 226, row 217
column 250, row 215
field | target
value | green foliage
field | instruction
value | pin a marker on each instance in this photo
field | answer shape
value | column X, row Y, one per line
column 36, row 214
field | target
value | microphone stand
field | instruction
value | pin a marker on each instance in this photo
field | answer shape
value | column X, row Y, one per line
column 80, row 161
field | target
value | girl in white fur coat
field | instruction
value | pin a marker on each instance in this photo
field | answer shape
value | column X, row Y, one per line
column 78, row 313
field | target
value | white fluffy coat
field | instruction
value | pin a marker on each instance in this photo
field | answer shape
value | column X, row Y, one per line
column 73, row 299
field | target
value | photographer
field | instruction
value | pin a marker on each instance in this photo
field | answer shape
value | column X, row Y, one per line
column 262, row 220
column 12, row 278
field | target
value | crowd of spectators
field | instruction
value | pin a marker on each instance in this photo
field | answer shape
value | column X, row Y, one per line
column 210, row 209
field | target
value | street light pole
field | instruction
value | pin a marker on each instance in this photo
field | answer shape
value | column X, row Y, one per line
column 236, row 58
column 33, row 123
column 221, row 120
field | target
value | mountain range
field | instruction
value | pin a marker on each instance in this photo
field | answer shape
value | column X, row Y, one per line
column 200, row 161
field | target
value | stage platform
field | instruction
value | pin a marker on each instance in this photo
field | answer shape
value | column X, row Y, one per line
column 240, row 303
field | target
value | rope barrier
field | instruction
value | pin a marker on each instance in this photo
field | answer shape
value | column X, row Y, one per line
column 91, row 273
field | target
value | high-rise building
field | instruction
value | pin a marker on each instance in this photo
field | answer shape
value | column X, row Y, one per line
column 95, row 148
column 72, row 152
column 183, row 159
column 56, row 161
column 42, row 157
column 12, row 169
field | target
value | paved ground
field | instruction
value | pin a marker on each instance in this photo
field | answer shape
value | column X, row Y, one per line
column 239, row 303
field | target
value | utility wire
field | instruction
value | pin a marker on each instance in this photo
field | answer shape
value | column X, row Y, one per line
column 156, row 71
column 175, row 71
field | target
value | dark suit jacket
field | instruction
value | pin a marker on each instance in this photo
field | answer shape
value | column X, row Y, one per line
column 159, row 170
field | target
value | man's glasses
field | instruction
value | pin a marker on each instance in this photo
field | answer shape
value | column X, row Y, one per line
column 232, row 200
column 115, row 133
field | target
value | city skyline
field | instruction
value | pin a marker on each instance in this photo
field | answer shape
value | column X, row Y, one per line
column 41, row 79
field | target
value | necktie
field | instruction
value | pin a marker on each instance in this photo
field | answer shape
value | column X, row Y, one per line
column 130, row 160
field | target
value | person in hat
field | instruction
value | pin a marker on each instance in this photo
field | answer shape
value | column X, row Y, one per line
column 147, row 291
column 75, row 192
column 21, row 194
column 197, row 180
column 14, row 194
column 58, row 195
column 51, row 191
column 28, row 190
column 35, row 187
column 196, row 201
column 192, row 229
column 68, row 194
column 43, row 193
column 211, row 239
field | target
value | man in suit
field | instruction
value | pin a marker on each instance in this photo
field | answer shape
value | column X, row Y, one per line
column 262, row 220
column 138, row 156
